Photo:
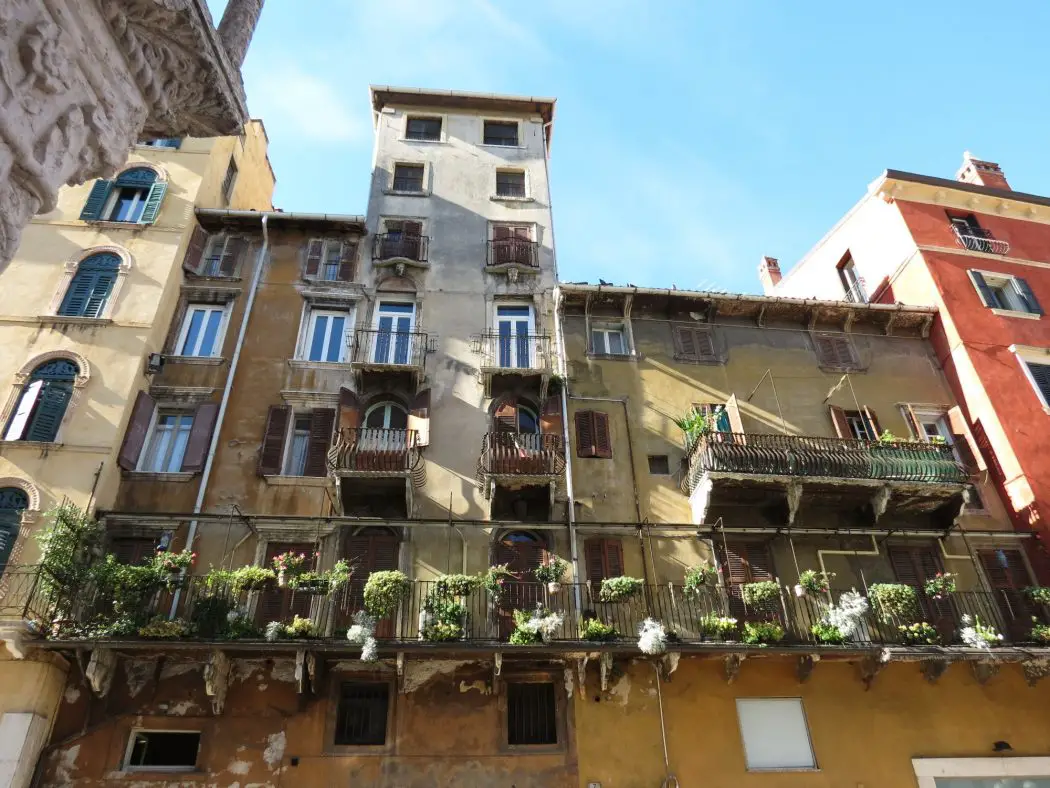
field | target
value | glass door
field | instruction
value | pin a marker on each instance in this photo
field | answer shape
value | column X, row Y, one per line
column 514, row 325
column 394, row 323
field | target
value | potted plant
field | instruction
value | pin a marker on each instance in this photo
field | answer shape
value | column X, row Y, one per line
column 171, row 566
column 619, row 589
column 760, row 593
column 339, row 575
column 895, row 603
column 251, row 578
column 311, row 583
column 718, row 627
column 160, row 628
column 494, row 581
column 977, row 635
column 828, row 634
column 813, row 582
column 551, row 573
column 442, row 617
column 288, row 564
column 1038, row 594
column 595, row 630
column 456, row 585
column 698, row 578
column 1040, row 633
column 921, row 633
column 384, row 592
column 298, row 628
column 940, row 585
column 693, row 424
column 539, row 626
column 762, row 633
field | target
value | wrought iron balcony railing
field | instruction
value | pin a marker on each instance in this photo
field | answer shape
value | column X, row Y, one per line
column 390, row 246
column 978, row 239
column 857, row 293
column 373, row 451
column 378, row 348
column 512, row 353
column 517, row 251
column 521, row 454
column 799, row 455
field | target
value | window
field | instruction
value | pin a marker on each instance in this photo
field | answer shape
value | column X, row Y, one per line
column 835, row 351
column 510, row 183
column 1005, row 292
column 134, row 550
column 592, row 434
column 531, row 713
column 90, row 287
column 162, row 750
column 162, row 142
column 423, row 129
column 295, row 460
column 775, row 733
column 512, row 244
column 694, row 343
column 990, row 772
column 202, row 331
column 134, row 197
column 166, row 445
column 1039, row 375
column 604, row 558
column 852, row 281
column 386, row 416
column 659, row 465
column 13, row 502
column 403, row 238
column 221, row 256
column 609, row 341
column 296, row 443
column 970, row 234
column 330, row 260
column 862, row 425
column 515, row 325
column 393, row 333
column 229, row 180
column 43, row 402
column 501, row 133
column 327, row 336
column 361, row 714
column 408, row 177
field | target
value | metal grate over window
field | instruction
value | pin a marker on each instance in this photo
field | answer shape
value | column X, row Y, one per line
column 531, row 717
column 362, row 713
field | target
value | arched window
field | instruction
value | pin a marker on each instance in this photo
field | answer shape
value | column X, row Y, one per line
column 386, row 415
column 513, row 415
column 91, row 286
column 134, row 197
column 43, row 402
column 12, row 503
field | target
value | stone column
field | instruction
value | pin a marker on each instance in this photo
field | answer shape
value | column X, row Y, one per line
column 237, row 27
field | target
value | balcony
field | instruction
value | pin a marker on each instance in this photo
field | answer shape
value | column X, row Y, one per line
column 524, row 456
column 512, row 254
column 904, row 476
column 978, row 239
column 399, row 249
column 508, row 358
column 389, row 354
column 376, row 470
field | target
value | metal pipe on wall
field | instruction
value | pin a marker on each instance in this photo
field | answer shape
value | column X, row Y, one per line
column 570, row 496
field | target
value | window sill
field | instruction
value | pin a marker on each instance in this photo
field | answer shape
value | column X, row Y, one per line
column 441, row 141
column 58, row 320
column 710, row 360
column 217, row 279
column 298, row 363
column 296, row 481
column 503, row 198
column 500, row 147
column 1014, row 313
column 109, row 224
column 180, row 476
column 397, row 193
column 200, row 361
column 613, row 356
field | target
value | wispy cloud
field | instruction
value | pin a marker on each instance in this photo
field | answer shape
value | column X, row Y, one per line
column 293, row 101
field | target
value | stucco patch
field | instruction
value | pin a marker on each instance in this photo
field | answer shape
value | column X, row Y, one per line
column 620, row 692
column 71, row 694
column 419, row 673
column 67, row 762
column 172, row 669
column 239, row 767
column 244, row 668
column 283, row 670
column 138, row 673
column 182, row 708
column 274, row 752
column 480, row 685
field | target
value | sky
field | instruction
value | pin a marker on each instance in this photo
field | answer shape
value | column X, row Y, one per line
column 690, row 138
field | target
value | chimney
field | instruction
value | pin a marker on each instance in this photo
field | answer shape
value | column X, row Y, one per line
column 983, row 173
column 769, row 274
column 237, row 27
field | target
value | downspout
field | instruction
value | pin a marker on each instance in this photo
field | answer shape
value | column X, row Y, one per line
column 570, row 497
column 234, row 361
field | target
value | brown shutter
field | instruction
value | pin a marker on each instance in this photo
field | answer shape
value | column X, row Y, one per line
column 314, row 253
column 602, row 436
column 759, row 562
column 279, row 604
column 135, row 435
column 134, row 550
column 964, row 442
column 734, row 565
column 873, row 422
column 272, row 449
column 321, row 422
column 584, row 421
column 414, row 229
column 917, row 432
column 231, row 256
column 838, row 420
column 349, row 410
column 705, row 343
column 685, row 343
column 913, row 565
column 550, row 416
column 613, row 557
column 1013, row 576
column 195, row 250
column 505, row 417
column 501, row 233
column 419, row 417
column 594, row 553
column 736, row 424
column 347, row 261
column 200, row 437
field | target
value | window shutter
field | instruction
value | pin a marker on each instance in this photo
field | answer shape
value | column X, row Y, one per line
column 1041, row 375
column 505, row 417
column 200, row 437
column 349, row 410
column 321, row 421
column 96, row 302
column 983, row 290
column 594, row 552
column 195, row 250
column 231, row 256
column 26, row 403
column 838, row 420
column 602, row 437
column 419, row 417
column 912, row 420
column 1023, row 289
column 314, row 253
column 584, row 421
column 50, row 408
column 613, row 557
column 272, row 449
column 135, row 436
column 153, row 201
column 278, row 604
column 412, row 229
column 843, row 352
column 734, row 565
column 96, row 200
column 873, row 422
column 685, row 343
column 1005, row 569
column 501, row 233
column 913, row 566
column 347, row 260
column 550, row 416
column 759, row 563
column 79, row 292
column 134, row 550
column 964, row 442
column 732, row 410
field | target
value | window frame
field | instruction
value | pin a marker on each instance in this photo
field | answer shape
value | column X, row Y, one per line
column 501, row 121
column 151, row 433
column 220, row 334
column 853, row 365
column 525, row 190
column 658, row 458
column 409, row 117
column 815, row 765
column 332, row 715
column 563, row 711
column 307, row 332
column 423, row 179
column 995, row 281
column 229, row 180
column 289, row 442
column 138, row 205
column 927, row 770
column 1030, row 355
column 605, row 329
column 74, row 269
column 127, row 766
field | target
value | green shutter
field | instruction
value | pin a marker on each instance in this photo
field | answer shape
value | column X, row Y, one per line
column 1026, row 294
column 90, row 287
column 50, row 408
column 153, row 201
column 987, row 296
column 96, row 200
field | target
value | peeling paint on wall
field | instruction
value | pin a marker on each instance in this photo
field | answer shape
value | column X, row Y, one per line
column 182, row 708
column 67, row 762
column 244, row 668
column 274, row 752
column 71, row 694
column 419, row 673
column 283, row 670
column 239, row 767
column 138, row 673
column 480, row 685
column 620, row 692
column 172, row 669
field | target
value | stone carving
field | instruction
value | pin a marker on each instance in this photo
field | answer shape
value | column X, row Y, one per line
column 217, row 679
column 100, row 670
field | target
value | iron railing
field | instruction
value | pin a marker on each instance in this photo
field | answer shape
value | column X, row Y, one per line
column 857, row 292
column 373, row 451
column 512, row 353
column 408, row 183
column 516, row 251
column 378, row 348
column 521, row 454
column 23, row 593
column 388, row 246
column 800, row 455
column 978, row 239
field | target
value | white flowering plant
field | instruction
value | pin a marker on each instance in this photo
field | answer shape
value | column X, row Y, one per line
column 848, row 613
column 538, row 627
column 977, row 635
column 652, row 637
column 362, row 632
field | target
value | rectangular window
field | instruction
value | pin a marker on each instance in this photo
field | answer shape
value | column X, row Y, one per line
column 229, row 180
column 408, row 177
column 659, row 465
column 835, row 351
column 852, row 282
column 592, row 434
column 694, row 343
column 394, row 322
column 127, row 204
column 166, row 445
column 425, row 129
column 501, row 133
column 163, row 142
column 860, row 426
column 531, row 713
column 162, row 751
column 299, row 443
column 221, row 255
column 775, row 734
column 361, row 716
column 328, row 336
column 609, row 341
column 510, row 183
column 1039, row 375
column 202, row 331
column 1005, row 292
column 514, row 326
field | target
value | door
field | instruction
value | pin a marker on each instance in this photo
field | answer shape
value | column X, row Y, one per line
column 394, row 323
column 512, row 245
column 369, row 550
column 282, row 604
column 383, row 443
column 514, row 325
column 522, row 552
column 913, row 566
column 12, row 503
column 1007, row 574
column 746, row 562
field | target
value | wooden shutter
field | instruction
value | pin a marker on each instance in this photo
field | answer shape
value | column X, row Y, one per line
column 321, row 422
column 1022, row 288
column 913, row 566
column 195, row 250
column 1005, row 569
column 411, row 243
column 694, row 344
column 745, row 561
column 732, row 410
column 983, row 290
column 1041, row 375
column 872, row 422
column 604, row 558
column 26, row 402
column 371, row 552
column 602, row 437
column 834, row 351
column 501, row 233
column 584, row 422
column 153, row 203
column 505, row 417
column 272, row 449
column 550, row 416
column 96, row 200
column 314, row 253
column 838, row 421
column 349, row 410
column 88, row 292
column 231, row 256
column 135, row 435
column 347, row 261
column 964, row 443
column 200, row 437
column 51, row 407
column 917, row 432
column 279, row 604
column 419, row 417
column 521, row 557
column 135, row 550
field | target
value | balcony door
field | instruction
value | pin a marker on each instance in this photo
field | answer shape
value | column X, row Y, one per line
column 394, row 323
column 383, row 441
column 913, row 566
column 1008, row 576
column 514, row 324
column 369, row 550
column 522, row 552
column 746, row 562
column 516, row 442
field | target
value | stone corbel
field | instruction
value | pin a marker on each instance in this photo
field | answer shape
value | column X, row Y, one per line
column 581, row 671
column 871, row 666
column 794, row 500
column 217, row 679
column 1035, row 670
column 512, row 275
column 732, row 666
column 669, row 664
column 14, row 637
column 814, row 318
column 804, row 667
column 497, row 664
column 605, row 663
column 569, row 681
column 891, row 323
column 984, row 670
column 100, row 670
column 933, row 669
column 880, row 501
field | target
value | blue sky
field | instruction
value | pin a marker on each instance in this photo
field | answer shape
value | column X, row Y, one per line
column 690, row 137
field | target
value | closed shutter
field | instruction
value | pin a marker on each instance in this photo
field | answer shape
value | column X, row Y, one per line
column 321, row 422
column 419, row 418
column 50, row 408
column 1005, row 569
column 983, row 290
column 550, row 416
column 347, row 261
column 272, row 449
column 231, row 256
column 838, row 421
column 1027, row 296
column 834, row 351
column 96, row 200
column 914, row 565
column 200, row 437
column 412, row 243
column 135, row 436
column 349, row 410
column 602, row 436
column 584, row 422
column 1041, row 376
column 505, row 417
column 694, row 344
column 745, row 562
column 521, row 555
column 964, row 443
column 153, row 202
column 88, row 292
column 371, row 550
column 134, row 550
column 314, row 253
column 195, row 250
column 604, row 558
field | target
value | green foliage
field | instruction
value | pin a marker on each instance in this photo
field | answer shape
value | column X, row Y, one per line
column 161, row 628
column 619, row 589
column 100, row 627
column 1040, row 633
column 760, row 593
column 888, row 437
column 318, row 583
column 131, row 588
column 521, row 637
column 170, row 563
column 762, row 632
column 700, row 577
column 895, row 603
column 384, row 592
column 919, row 633
column 593, row 629
column 339, row 575
column 217, row 580
column 442, row 632
column 694, row 424
column 815, row 582
column 551, row 572
column 300, row 628
column 721, row 627
column 69, row 545
column 240, row 626
column 456, row 585
column 210, row 616
column 1038, row 594
column 940, row 585
column 495, row 580
column 828, row 633
column 252, row 578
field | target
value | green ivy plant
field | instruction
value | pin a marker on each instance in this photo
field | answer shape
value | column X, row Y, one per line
column 828, row 634
column 762, row 633
column 760, row 593
column 70, row 544
column 895, row 603
column 384, row 592
column 620, row 589
column 698, row 578
column 444, row 617
column 595, row 630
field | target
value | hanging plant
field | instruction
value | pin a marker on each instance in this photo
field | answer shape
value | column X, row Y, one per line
column 288, row 564
column 456, row 585
column 174, row 563
column 652, row 638
column 362, row 632
column 595, row 630
column 718, row 627
column 311, row 583
column 552, row 573
column 895, row 603
column 495, row 581
column 762, row 633
column 814, row 582
column 940, row 586
column 251, row 578
column 760, row 593
column 700, row 578
column 384, row 592
column 1038, row 594
column 339, row 575
column 921, row 633
column 619, row 589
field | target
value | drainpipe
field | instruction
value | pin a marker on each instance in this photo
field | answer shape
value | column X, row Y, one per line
column 234, row 361
column 570, row 496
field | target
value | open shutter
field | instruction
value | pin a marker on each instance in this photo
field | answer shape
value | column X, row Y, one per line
column 838, row 420
column 153, row 201
column 231, row 256
column 50, row 408
column 349, row 410
column 584, row 422
column 96, row 200
column 917, row 432
column 135, row 436
column 419, row 417
column 79, row 292
column 759, row 562
column 321, row 422
column 195, row 250
column 964, row 443
column 1023, row 289
column 347, row 261
column 30, row 395
column 550, row 416
column 733, row 412
column 985, row 292
column 873, row 422
column 272, row 449
column 1005, row 569
column 314, row 253
column 505, row 417
column 99, row 295
column 200, row 437
column 602, row 436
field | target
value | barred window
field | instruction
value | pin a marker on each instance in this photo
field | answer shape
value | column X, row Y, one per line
column 531, row 717
column 362, row 713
